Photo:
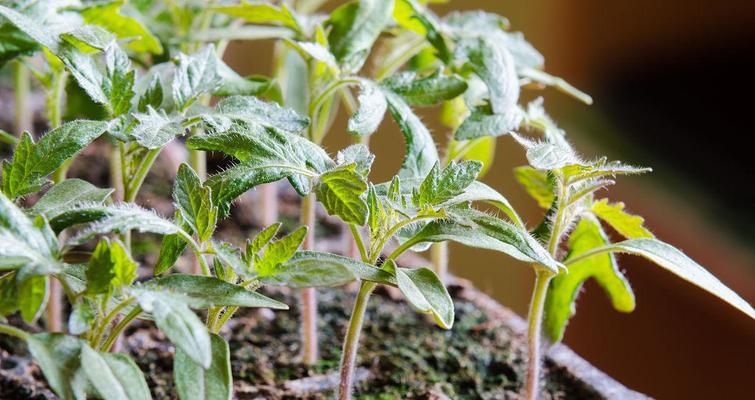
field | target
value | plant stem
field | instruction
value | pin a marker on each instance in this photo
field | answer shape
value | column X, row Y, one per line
column 534, row 319
column 439, row 259
column 309, row 295
column 13, row 331
column 23, row 119
column 351, row 345
column 119, row 328
column 132, row 188
column 109, row 318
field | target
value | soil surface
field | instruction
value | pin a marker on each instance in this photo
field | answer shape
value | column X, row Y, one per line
column 402, row 355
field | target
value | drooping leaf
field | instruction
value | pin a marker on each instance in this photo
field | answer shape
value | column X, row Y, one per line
column 31, row 27
column 483, row 122
column 23, row 241
column 628, row 225
column 562, row 296
column 493, row 64
column 58, row 356
column 278, row 252
column 678, row 263
column 340, row 192
column 194, row 202
column 318, row 269
column 68, row 193
column 421, row 153
column 369, row 115
column 206, row 291
column 178, row 323
column 33, row 162
column 425, row 91
column 114, row 376
column 354, row 27
column 196, row 383
column 109, row 268
column 442, row 185
column 253, row 111
column 537, row 184
column 427, row 294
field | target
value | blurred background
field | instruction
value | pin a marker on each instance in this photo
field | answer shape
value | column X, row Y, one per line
column 672, row 88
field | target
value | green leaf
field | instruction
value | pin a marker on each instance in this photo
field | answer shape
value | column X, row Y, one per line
column 14, row 43
column 178, row 323
column 480, row 149
column 154, row 129
column 196, row 383
column 58, row 357
column 425, row 91
column 85, row 69
column 31, row 27
column 442, row 185
column 421, row 153
column 125, row 27
column 354, row 27
column 109, row 268
column 561, row 299
column 194, row 202
column 170, row 250
column 255, row 112
column 376, row 211
column 318, row 269
column 262, row 13
column 493, row 64
column 278, row 252
column 118, row 219
column 89, row 38
column 427, row 294
column 32, row 162
column 263, row 238
column 551, row 155
column 410, row 15
column 317, row 52
column 81, row 318
column 676, row 262
column 340, row 192
column 24, row 242
column 32, row 296
column 119, row 80
column 369, row 115
column 195, row 74
column 228, row 255
column 152, row 96
column 114, row 376
column 68, row 193
column 359, row 155
column 537, row 184
column 628, row 225
column 206, row 291
column 483, row 122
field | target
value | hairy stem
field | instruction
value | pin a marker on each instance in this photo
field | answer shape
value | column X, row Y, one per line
column 116, row 332
column 534, row 320
column 351, row 345
column 439, row 259
column 13, row 331
column 22, row 121
column 132, row 187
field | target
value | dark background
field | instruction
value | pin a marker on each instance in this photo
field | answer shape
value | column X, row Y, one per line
column 673, row 83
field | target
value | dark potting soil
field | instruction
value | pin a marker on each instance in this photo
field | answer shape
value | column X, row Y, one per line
column 402, row 355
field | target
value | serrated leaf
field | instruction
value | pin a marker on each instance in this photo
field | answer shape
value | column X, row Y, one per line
column 562, row 296
column 125, row 27
column 318, row 269
column 33, row 162
column 425, row 91
column 119, row 80
column 483, row 122
column 440, row 186
column 262, row 13
column 152, row 96
column 154, row 129
column 537, row 184
column 196, row 383
column 58, row 356
column 257, row 113
column 206, row 291
column 628, row 225
column 427, row 294
column 194, row 202
column 109, row 268
column 678, row 263
column 369, row 115
column 68, row 193
column 278, row 252
column 492, row 62
column 263, row 238
column 178, row 323
column 421, row 153
column 340, row 192
column 85, row 70
column 354, row 27
column 228, row 255
column 114, row 376
column 194, row 75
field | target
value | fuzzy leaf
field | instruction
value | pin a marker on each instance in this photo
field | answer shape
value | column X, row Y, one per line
column 369, row 115
column 67, row 194
column 483, row 122
column 152, row 96
column 194, row 202
column 494, row 65
column 421, row 153
column 410, row 15
column 359, row 155
column 81, row 318
column 110, row 267
column 427, row 294
column 172, row 247
column 253, row 111
column 628, row 225
column 354, row 27
column 676, row 262
column 278, row 252
column 33, row 162
column 261, row 13
column 561, row 299
column 537, row 185
column 442, row 185
column 195, row 74
column 24, row 242
column 114, row 376
column 31, row 27
column 154, row 129
column 340, row 192
column 196, row 383
column 178, row 323
column 58, row 356
column 229, row 256
column 119, row 80
column 425, row 91
column 318, row 269
column 125, row 27
column 206, row 291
